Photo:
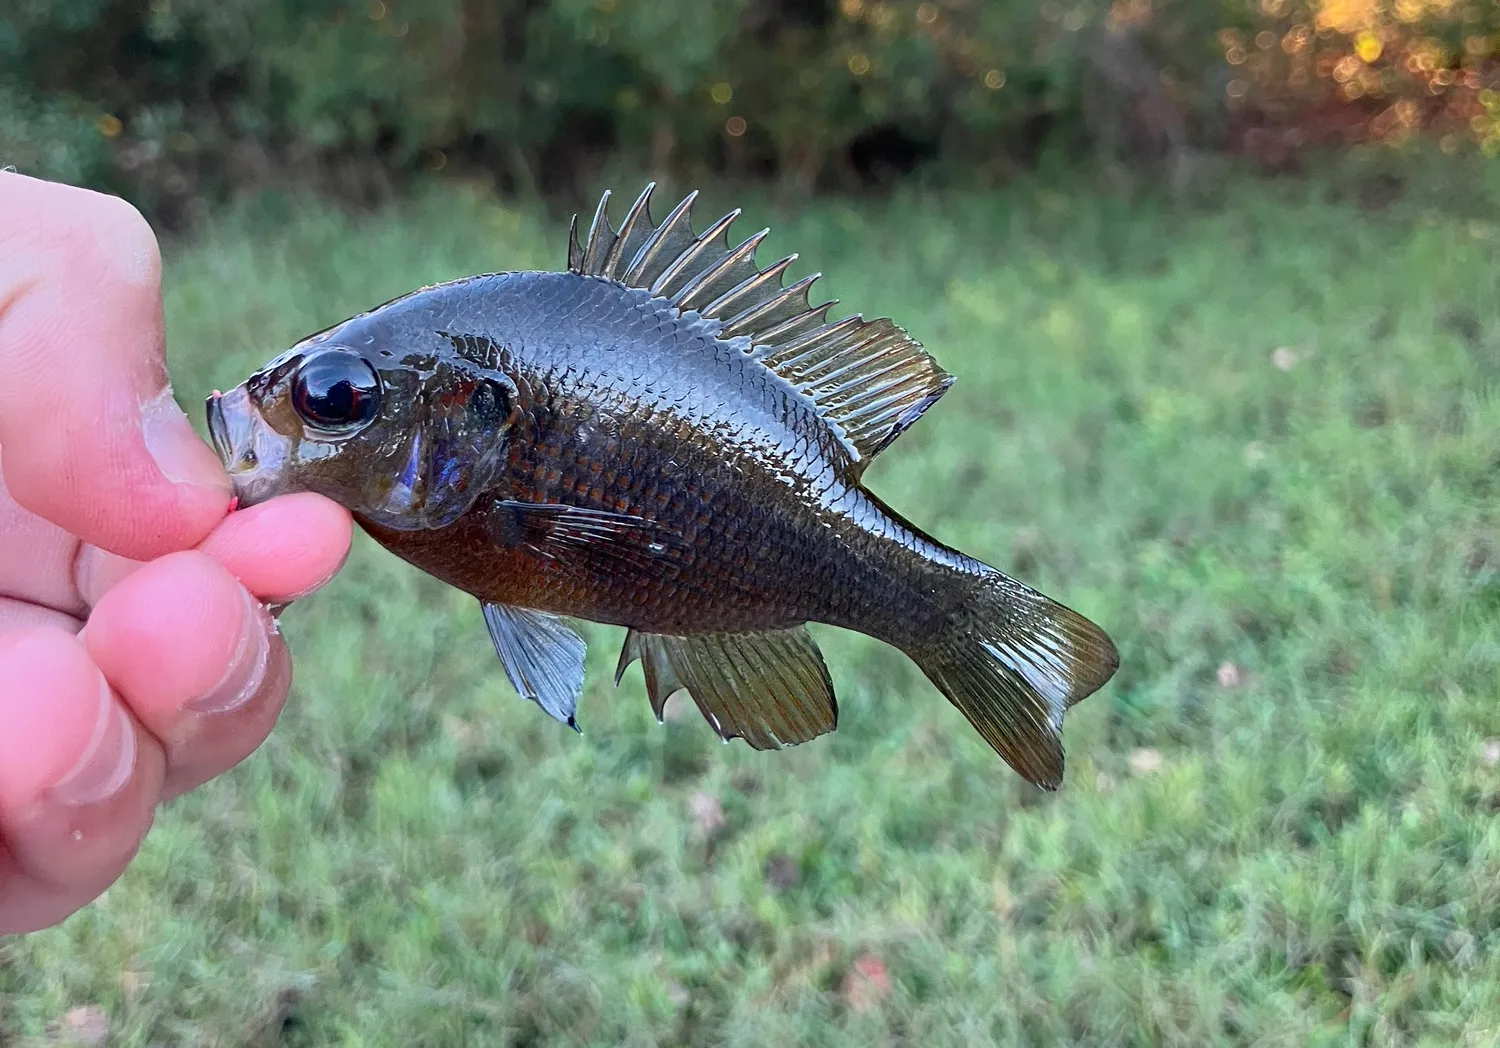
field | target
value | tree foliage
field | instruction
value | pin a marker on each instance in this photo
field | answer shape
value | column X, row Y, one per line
column 180, row 100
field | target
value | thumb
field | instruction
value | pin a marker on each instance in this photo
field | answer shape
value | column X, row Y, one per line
column 93, row 439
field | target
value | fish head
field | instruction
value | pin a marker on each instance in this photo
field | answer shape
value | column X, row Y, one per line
column 407, row 437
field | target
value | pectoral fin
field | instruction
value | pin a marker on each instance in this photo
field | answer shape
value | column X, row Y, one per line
column 770, row 689
column 542, row 656
column 570, row 533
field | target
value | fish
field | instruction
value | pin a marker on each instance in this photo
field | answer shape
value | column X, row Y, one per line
column 666, row 437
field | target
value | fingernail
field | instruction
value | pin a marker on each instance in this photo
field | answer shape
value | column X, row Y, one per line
column 247, row 670
column 108, row 761
column 180, row 453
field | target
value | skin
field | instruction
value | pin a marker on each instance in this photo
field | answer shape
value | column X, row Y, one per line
column 137, row 660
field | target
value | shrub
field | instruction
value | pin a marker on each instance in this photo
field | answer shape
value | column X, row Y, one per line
column 178, row 101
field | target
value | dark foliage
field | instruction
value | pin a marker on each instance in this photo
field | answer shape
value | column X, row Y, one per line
column 177, row 103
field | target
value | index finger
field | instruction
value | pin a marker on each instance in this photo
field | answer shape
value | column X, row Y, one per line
column 93, row 439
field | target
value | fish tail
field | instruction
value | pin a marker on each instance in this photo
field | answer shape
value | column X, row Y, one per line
column 1013, row 661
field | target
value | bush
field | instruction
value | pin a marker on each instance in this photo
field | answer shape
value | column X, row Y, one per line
column 176, row 102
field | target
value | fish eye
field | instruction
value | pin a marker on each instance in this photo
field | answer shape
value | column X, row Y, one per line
column 336, row 390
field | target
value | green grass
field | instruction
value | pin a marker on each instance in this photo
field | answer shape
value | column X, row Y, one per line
column 418, row 858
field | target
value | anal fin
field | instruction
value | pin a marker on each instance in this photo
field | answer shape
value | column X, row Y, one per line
column 771, row 688
column 542, row 655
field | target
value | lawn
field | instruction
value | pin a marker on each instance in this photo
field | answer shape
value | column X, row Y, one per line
column 1258, row 440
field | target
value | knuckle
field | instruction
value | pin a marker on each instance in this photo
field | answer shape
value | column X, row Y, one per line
column 64, row 233
column 32, row 469
column 116, row 231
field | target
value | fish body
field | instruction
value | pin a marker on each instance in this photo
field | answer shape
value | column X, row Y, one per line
column 613, row 418
column 665, row 438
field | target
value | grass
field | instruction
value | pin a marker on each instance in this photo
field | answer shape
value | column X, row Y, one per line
column 1259, row 442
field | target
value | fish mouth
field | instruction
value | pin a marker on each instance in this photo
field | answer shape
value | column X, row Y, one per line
column 218, row 429
column 252, row 455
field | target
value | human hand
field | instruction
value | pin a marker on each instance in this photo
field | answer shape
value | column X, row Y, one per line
column 137, row 659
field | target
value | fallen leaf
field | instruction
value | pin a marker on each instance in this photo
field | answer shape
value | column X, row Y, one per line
column 466, row 734
column 1490, row 753
column 87, row 1027
column 1145, row 761
column 782, row 871
column 1005, row 902
column 708, row 813
column 1462, row 947
column 1230, row 675
column 1284, row 358
column 867, row 984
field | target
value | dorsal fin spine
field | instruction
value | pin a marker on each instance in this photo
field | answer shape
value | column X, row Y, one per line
column 868, row 380
column 765, row 316
column 701, row 244
column 575, row 252
column 639, row 273
column 601, row 237
column 778, row 337
column 641, row 208
column 745, row 253
column 770, row 276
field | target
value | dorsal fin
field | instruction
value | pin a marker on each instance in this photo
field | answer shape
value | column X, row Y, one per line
column 869, row 378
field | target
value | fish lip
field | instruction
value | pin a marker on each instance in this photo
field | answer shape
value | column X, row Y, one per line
column 218, row 429
column 252, row 453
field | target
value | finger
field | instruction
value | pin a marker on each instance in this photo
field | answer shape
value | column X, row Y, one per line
column 38, row 566
column 280, row 550
column 93, row 440
column 79, row 780
column 28, row 904
column 198, row 660
column 21, row 614
column 49, row 567
column 285, row 548
column 96, row 572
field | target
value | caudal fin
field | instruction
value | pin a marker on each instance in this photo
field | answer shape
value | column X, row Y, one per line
column 1014, row 662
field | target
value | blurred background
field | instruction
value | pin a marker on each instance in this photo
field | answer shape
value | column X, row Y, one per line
column 179, row 103
column 1218, row 281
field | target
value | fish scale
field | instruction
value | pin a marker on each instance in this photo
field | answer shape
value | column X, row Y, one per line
column 666, row 438
column 729, row 588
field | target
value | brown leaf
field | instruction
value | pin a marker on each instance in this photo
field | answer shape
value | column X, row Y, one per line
column 708, row 813
column 87, row 1027
column 867, row 984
